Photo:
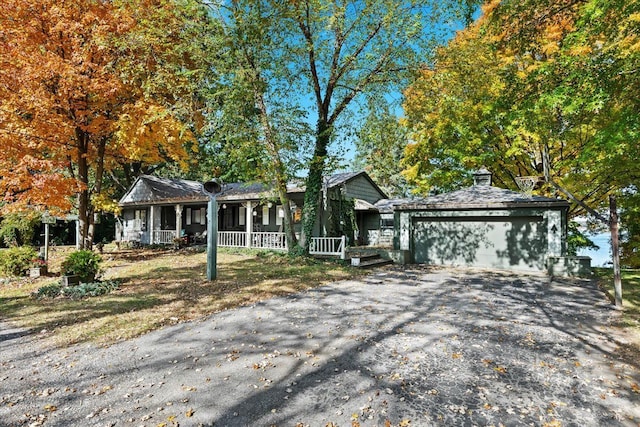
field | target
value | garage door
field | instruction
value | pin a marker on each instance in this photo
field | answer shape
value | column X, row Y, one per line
column 512, row 243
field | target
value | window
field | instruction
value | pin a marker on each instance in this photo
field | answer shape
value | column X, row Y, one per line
column 196, row 216
column 279, row 215
column 386, row 221
column 242, row 214
column 265, row 215
column 140, row 219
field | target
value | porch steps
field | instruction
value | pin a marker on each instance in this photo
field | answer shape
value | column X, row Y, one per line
column 369, row 260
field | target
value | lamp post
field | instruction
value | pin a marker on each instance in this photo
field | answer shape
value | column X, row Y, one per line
column 212, row 188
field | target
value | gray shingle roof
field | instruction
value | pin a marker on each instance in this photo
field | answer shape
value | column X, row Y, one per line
column 388, row 205
column 151, row 189
column 482, row 197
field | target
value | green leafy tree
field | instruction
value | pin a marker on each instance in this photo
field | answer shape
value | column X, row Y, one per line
column 18, row 228
column 531, row 83
column 332, row 54
column 380, row 148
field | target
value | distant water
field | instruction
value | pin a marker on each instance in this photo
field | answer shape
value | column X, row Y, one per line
column 601, row 257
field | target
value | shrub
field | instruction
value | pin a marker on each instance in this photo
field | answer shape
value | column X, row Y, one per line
column 80, row 291
column 48, row 291
column 93, row 289
column 18, row 228
column 83, row 263
column 16, row 261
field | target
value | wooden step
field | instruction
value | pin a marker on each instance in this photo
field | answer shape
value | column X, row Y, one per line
column 378, row 262
column 357, row 259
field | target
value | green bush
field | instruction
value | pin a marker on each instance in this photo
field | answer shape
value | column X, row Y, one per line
column 80, row 291
column 93, row 289
column 18, row 228
column 17, row 260
column 48, row 291
column 83, row 263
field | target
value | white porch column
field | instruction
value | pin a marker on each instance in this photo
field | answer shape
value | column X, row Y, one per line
column 178, row 220
column 152, row 224
column 249, row 223
column 77, row 234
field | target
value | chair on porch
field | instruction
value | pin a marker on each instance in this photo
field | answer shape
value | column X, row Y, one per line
column 200, row 237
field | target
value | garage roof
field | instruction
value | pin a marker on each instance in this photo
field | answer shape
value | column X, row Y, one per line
column 482, row 197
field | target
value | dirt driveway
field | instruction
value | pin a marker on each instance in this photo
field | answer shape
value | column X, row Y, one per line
column 410, row 347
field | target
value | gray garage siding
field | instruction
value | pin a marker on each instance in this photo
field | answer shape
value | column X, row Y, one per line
column 518, row 243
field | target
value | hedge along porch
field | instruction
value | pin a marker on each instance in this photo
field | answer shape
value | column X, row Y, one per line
column 483, row 226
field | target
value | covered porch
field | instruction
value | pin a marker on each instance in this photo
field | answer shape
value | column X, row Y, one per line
column 250, row 224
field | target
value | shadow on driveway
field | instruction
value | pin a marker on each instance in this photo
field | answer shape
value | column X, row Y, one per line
column 441, row 347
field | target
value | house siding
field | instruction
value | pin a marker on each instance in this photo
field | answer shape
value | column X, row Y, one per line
column 361, row 188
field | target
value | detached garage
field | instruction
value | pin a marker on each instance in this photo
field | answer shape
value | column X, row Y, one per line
column 483, row 226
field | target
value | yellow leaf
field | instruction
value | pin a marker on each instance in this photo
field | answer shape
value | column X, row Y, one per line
column 50, row 408
column 404, row 423
column 635, row 388
column 189, row 413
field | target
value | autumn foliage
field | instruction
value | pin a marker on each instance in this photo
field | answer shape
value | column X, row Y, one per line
column 530, row 79
column 84, row 88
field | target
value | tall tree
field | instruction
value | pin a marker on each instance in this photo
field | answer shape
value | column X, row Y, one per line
column 331, row 54
column 348, row 49
column 256, row 129
column 86, row 86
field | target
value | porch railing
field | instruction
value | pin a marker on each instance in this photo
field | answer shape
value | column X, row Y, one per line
column 269, row 240
column 329, row 246
column 325, row 246
column 164, row 237
column 232, row 239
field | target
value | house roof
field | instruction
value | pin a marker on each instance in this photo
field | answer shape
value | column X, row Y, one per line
column 242, row 191
column 482, row 197
column 149, row 189
column 388, row 205
column 335, row 180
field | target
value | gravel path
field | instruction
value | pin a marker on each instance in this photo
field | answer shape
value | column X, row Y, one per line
column 404, row 346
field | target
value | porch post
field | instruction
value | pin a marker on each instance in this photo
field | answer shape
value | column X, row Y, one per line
column 178, row 220
column 151, row 227
column 249, row 223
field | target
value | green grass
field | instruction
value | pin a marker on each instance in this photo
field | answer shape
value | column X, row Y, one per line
column 158, row 288
column 630, row 297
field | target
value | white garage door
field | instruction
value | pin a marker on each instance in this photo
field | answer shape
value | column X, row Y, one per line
column 505, row 242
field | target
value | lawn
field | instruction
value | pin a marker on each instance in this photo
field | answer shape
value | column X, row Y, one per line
column 630, row 297
column 158, row 288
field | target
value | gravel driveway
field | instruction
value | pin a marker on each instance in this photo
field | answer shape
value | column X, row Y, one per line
column 404, row 346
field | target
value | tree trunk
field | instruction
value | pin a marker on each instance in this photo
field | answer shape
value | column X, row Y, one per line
column 313, row 188
column 85, row 214
column 278, row 169
column 615, row 250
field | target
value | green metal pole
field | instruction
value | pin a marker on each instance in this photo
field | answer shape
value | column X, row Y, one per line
column 212, row 238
